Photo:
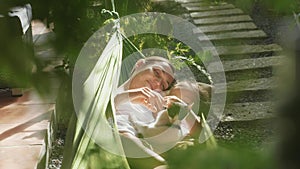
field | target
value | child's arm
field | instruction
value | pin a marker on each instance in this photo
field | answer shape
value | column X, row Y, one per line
column 172, row 99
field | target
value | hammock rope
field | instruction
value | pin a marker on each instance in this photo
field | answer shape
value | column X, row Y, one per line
column 113, row 5
column 117, row 26
column 132, row 45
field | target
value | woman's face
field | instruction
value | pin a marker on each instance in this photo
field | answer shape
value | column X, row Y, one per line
column 157, row 77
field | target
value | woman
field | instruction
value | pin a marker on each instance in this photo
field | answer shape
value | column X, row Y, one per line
column 140, row 98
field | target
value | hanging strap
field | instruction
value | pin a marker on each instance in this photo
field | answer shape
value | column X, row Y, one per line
column 131, row 45
column 113, row 5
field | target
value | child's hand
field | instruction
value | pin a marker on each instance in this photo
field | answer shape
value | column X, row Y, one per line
column 178, row 109
column 171, row 99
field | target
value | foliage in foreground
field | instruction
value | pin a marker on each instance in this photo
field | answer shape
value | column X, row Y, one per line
column 198, row 157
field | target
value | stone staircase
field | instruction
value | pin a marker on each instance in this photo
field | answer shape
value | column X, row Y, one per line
column 232, row 33
column 249, row 63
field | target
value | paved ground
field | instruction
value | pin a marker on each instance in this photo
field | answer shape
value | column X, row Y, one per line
column 25, row 120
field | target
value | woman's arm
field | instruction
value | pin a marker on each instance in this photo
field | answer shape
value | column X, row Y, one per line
column 144, row 96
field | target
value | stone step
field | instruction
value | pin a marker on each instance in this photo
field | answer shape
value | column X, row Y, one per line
column 226, row 27
column 189, row 1
column 199, row 8
column 244, row 74
column 248, row 85
column 234, row 35
column 222, row 19
column 260, row 134
column 193, row 4
column 247, row 49
column 234, row 11
column 243, row 64
column 202, row 3
column 248, row 111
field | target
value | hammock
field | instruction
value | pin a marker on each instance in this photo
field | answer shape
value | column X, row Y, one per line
column 97, row 103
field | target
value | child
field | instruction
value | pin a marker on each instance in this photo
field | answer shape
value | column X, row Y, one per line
column 179, row 113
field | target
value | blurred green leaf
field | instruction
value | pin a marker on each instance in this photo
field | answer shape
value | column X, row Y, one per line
column 198, row 157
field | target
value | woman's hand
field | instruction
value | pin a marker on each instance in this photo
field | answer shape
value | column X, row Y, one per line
column 147, row 97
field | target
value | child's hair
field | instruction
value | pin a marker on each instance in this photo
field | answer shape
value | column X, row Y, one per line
column 189, row 86
column 199, row 93
column 205, row 90
column 200, row 89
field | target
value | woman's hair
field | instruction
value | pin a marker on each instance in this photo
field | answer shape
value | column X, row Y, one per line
column 156, row 59
column 152, row 59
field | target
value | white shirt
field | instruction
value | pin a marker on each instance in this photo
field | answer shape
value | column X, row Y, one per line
column 128, row 112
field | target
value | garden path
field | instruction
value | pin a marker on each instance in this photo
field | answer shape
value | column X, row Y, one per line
column 26, row 122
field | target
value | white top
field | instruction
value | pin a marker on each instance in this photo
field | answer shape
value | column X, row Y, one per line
column 128, row 112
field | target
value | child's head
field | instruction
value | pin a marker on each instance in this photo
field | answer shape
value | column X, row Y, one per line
column 186, row 91
column 189, row 91
column 196, row 94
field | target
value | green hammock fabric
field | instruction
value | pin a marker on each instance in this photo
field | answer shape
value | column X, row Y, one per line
column 81, row 150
